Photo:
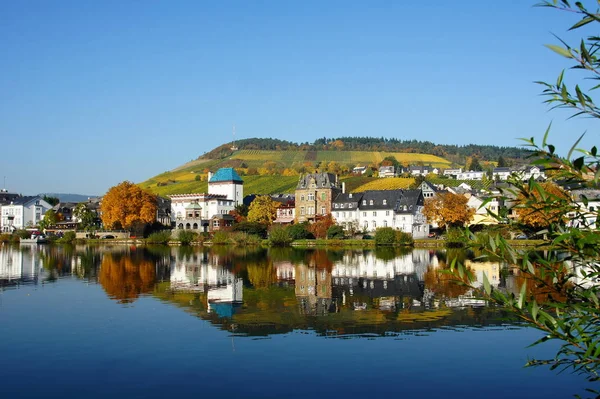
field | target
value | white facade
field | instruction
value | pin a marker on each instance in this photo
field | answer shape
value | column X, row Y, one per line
column 210, row 205
column 232, row 191
column 470, row 175
column 24, row 212
column 481, row 210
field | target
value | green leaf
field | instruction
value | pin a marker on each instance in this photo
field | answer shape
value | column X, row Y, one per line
column 582, row 22
column 574, row 147
column 534, row 310
column 486, row 284
column 559, row 50
column 522, row 295
column 580, row 96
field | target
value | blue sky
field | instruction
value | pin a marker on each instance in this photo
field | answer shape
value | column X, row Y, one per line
column 96, row 92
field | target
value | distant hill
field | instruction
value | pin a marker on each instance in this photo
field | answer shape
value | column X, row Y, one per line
column 68, row 197
column 270, row 166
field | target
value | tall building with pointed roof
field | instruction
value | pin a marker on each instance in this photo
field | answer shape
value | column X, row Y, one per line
column 314, row 194
column 227, row 182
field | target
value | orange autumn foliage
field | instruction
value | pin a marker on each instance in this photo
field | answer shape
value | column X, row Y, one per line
column 448, row 210
column 125, row 278
column 126, row 204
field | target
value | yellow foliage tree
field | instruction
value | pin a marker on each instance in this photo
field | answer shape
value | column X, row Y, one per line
column 263, row 210
column 534, row 211
column 448, row 210
column 126, row 204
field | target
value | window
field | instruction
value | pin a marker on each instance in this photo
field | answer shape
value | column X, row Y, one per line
column 385, row 223
column 336, row 205
column 374, row 225
column 323, row 210
column 323, row 195
column 311, row 197
column 364, row 202
column 365, row 214
column 216, row 223
column 302, row 210
column 337, row 214
column 374, row 213
column 311, row 210
column 302, row 198
column 387, row 213
column 349, row 205
column 344, row 214
column 371, row 202
column 384, row 202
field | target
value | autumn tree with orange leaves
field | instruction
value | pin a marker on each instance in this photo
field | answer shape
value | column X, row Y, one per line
column 448, row 210
column 126, row 204
column 534, row 212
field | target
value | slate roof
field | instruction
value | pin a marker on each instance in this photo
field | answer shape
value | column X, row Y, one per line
column 345, row 199
column 377, row 197
column 322, row 180
column 410, row 199
column 226, row 175
column 25, row 200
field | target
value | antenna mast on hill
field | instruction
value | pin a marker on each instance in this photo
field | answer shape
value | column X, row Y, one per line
column 233, row 146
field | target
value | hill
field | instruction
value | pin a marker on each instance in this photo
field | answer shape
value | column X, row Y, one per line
column 270, row 166
column 68, row 197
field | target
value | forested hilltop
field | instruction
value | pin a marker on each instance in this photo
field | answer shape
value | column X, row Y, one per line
column 455, row 153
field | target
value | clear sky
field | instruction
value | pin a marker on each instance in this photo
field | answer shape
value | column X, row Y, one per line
column 96, row 92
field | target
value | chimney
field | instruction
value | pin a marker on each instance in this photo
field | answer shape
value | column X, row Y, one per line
column 343, row 187
column 209, row 175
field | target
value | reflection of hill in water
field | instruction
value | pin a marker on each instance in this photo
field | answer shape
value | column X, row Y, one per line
column 335, row 293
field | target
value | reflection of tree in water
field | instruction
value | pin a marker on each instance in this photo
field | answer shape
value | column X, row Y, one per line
column 125, row 277
column 441, row 281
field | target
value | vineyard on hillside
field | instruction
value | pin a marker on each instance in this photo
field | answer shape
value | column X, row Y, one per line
column 388, row 183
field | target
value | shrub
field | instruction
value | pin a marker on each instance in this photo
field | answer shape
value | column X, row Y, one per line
column 221, row 238
column 385, row 236
column 299, row 231
column 24, row 234
column 67, row 238
column 455, row 237
column 403, row 238
column 186, row 237
column 241, row 238
column 251, row 228
column 159, row 237
column 335, row 231
column 5, row 237
column 279, row 236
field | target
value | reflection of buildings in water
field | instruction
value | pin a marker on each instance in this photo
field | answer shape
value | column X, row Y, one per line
column 490, row 269
column 285, row 271
column 223, row 289
column 19, row 266
column 313, row 290
column 387, row 280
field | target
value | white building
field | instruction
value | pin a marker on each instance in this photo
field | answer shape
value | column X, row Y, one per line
column 501, row 173
column 192, row 211
column 227, row 182
column 470, row 175
column 201, row 211
column 370, row 210
column 23, row 212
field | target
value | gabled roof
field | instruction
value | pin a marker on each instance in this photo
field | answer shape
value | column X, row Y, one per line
column 348, row 198
column 430, row 185
column 26, row 200
column 409, row 201
column 226, row 175
column 322, row 180
column 378, row 197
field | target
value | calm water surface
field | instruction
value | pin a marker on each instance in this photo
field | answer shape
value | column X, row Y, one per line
column 115, row 321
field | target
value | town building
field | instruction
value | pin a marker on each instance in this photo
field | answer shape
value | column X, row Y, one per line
column 314, row 195
column 470, row 175
column 23, row 212
column 386, row 171
column 209, row 211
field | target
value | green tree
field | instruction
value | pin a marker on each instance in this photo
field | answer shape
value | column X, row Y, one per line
column 475, row 165
column 51, row 200
column 87, row 218
column 502, row 162
column 558, row 293
column 50, row 219
column 263, row 210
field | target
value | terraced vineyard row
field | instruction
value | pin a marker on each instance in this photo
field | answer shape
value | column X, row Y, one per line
column 388, row 183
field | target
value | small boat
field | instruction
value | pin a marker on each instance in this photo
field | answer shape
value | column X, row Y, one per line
column 35, row 239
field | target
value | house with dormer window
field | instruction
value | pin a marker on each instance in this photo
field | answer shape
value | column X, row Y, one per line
column 314, row 195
